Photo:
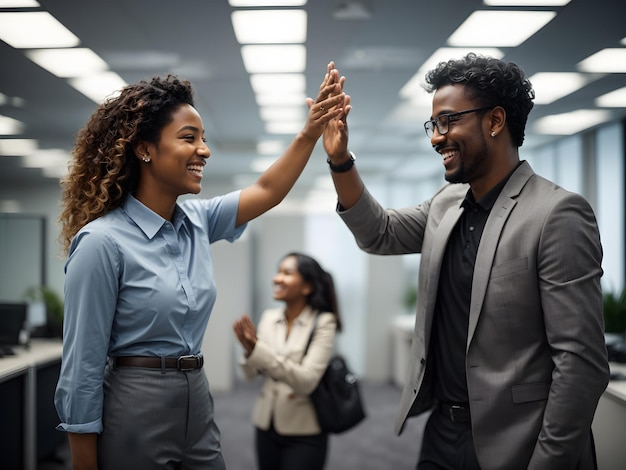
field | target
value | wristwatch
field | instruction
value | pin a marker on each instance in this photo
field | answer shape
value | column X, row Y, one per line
column 343, row 167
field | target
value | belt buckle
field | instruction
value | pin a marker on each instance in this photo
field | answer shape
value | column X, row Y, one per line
column 180, row 360
column 452, row 409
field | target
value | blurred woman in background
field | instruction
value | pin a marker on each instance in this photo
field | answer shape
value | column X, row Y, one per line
column 288, row 435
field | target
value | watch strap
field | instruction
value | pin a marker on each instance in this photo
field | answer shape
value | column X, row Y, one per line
column 342, row 167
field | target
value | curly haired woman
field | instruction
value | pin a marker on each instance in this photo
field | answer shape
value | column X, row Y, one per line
column 139, row 285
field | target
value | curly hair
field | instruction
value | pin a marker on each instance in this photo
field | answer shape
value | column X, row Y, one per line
column 323, row 297
column 491, row 82
column 104, row 168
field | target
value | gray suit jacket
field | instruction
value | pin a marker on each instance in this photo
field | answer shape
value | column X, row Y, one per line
column 536, row 361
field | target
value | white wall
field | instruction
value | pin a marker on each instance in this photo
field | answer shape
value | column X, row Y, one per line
column 231, row 264
column 610, row 203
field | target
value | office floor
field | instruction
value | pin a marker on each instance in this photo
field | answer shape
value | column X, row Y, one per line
column 370, row 446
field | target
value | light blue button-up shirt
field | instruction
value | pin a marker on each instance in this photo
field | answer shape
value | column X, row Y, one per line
column 136, row 285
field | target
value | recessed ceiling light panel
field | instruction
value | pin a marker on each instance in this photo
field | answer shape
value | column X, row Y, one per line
column 270, row 26
column 611, row 60
column 499, row 28
column 33, row 30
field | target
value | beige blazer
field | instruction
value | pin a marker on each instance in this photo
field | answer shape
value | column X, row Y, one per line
column 536, row 361
column 290, row 375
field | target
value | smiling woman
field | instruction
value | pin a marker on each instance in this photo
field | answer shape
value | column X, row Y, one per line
column 287, row 429
column 139, row 285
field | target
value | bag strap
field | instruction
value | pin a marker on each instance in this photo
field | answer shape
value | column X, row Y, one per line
column 308, row 343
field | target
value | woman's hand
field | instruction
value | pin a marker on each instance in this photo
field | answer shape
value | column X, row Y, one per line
column 246, row 333
column 336, row 131
column 327, row 106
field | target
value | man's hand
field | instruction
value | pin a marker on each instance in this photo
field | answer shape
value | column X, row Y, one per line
column 336, row 131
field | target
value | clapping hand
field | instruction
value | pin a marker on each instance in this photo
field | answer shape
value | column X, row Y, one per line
column 246, row 333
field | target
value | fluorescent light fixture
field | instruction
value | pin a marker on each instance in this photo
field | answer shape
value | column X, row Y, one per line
column 54, row 171
column 10, row 206
column 33, row 30
column 259, row 165
column 282, row 113
column 324, row 183
column 19, row 4
column 614, row 99
column 283, row 127
column 320, row 201
column 551, row 86
column 352, row 10
column 570, row 123
column 274, row 58
column 64, row 63
column 100, row 86
column 610, row 60
column 278, row 83
column 10, row 126
column 269, row 26
column 11, row 101
column 413, row 88
column 526, row 3
column 15, row 147
column 499, row 28
column 48, row 158
column 266, row 3
column 270, row 147
column 278, row 99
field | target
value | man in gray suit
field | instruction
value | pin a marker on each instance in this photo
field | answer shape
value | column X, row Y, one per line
column 508, row 349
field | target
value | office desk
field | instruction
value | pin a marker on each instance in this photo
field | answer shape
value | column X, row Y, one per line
column 609, row 424
column 27, row 382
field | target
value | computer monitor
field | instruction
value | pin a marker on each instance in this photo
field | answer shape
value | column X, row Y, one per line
column 12, row 322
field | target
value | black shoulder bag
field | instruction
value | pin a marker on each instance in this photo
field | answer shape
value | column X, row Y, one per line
column 337, row 399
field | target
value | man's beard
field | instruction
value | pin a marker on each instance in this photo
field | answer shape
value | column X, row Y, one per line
column 463, row 174
column 459, row 176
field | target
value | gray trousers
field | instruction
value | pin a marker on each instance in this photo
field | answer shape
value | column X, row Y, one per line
column 155, row 420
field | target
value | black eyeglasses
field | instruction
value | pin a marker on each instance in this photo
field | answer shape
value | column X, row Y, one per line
column 442, row 122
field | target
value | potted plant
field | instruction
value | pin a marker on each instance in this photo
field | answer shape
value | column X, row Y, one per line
column 54, row 308
column 615, row 312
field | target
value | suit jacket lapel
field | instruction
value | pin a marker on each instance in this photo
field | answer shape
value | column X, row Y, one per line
column 490, row 239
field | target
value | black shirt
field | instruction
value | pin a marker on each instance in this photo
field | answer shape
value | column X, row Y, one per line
column 450, row 328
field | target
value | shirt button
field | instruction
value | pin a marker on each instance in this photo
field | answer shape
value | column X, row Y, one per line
column 471, row 229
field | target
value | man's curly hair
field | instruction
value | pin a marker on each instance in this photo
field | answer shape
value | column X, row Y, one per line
column 104, row 168
column 491, row 82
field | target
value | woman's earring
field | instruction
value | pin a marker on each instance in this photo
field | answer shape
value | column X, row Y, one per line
column 493, row 133
column 146, row 159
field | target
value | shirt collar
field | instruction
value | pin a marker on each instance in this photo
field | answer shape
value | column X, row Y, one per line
column 147, row 220
column 488, row 200
column 302, row 319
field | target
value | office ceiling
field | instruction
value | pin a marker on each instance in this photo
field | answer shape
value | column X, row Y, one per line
column 378, row 55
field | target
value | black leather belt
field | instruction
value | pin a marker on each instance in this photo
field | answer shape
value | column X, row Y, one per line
column 455, row 412
column 189, row 362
